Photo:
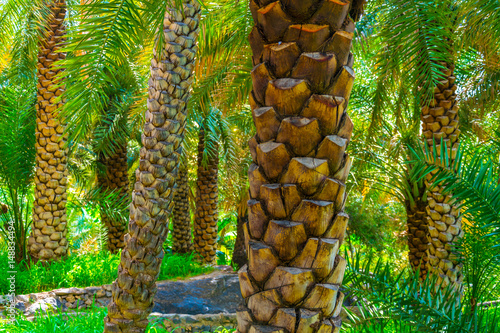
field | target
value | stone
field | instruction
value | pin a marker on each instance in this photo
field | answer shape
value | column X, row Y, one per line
column 23, row 298
column 100, row 293
column 20, row 306
column 43, row 305
column 213, row 293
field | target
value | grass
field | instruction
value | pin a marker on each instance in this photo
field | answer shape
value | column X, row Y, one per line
column 84, row 321
column 92, row 269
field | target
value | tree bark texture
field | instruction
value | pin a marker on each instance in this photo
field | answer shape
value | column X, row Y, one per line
column 115, row 178
column 418, row 239
column 169, row 89
column 207, row 212
column 181, row 217
column 48, row 231
column 440, row 126
column 302, row 80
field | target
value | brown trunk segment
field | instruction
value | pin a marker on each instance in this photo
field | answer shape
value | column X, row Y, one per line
column 302, row 80
column 207, row 213
column 418, row 239
column 115, row 178
column 239, row 258
column 442, row 215
column 48, row 231
column 163, row 135
column 181, row 216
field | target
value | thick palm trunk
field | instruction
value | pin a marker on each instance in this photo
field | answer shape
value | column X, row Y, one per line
column 440, row 124
column 302, row 80
column 418, row 239
column 48, row 231
column 115, row 178
column 206, row 216
column 169, row 86
column 181, row 217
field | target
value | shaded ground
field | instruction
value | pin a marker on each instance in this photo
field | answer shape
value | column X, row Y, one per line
column 218, row 292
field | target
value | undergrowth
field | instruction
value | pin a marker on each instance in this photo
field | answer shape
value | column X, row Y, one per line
column 82, row 321
column 90, row 269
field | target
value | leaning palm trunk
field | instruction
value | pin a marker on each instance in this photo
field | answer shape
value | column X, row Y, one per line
column 169, row 85
column 115, row 178
column 181, row 216
column 206, row 216
column 440, row 127
column 48, row 232
column 302, row 80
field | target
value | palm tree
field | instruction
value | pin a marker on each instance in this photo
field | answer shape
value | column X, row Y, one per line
column 114, row 177
column 181, row 217
column 17, row 148
column 213, row 135
column 207, row 211
column 421, row 58
column 48, row 233
column 171, row 78
column 239, row 258
column 109, row 135
column 302, row 81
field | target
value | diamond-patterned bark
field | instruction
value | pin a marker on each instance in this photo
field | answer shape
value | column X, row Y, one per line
column 48, row 231
column 302, row 80
column 115, row 178
column 442, row 216
column 181, row 217
column 207, row 213
column 163, row 134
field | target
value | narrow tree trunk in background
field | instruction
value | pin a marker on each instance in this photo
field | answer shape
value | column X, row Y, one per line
column 418, row 240
column 440, row 123
column 181, row 217
column 115, row 178
column 48, row 231
column 302, row 80
column 163, row 135
column 239, row 254
column 207, row 213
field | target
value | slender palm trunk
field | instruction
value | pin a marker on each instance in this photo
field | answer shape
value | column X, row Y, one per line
column 115, row 178
column 163, row 135
column 48, row 231
column 302, row 80
column 181, row 217
column 206, row 216
column 239, row 253
column 442, row 215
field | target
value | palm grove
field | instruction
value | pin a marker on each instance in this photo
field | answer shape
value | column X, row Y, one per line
column 240, row 123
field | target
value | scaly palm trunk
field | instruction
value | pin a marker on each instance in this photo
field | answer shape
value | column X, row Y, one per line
column 302, row 80
column 115, row 178
column 181, row 217
column 48, row 231
column 418, row 239
column 440, row 124
column 206, row 216
column 169, row 86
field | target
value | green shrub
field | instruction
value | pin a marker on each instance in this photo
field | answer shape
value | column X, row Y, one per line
column 377, row 224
